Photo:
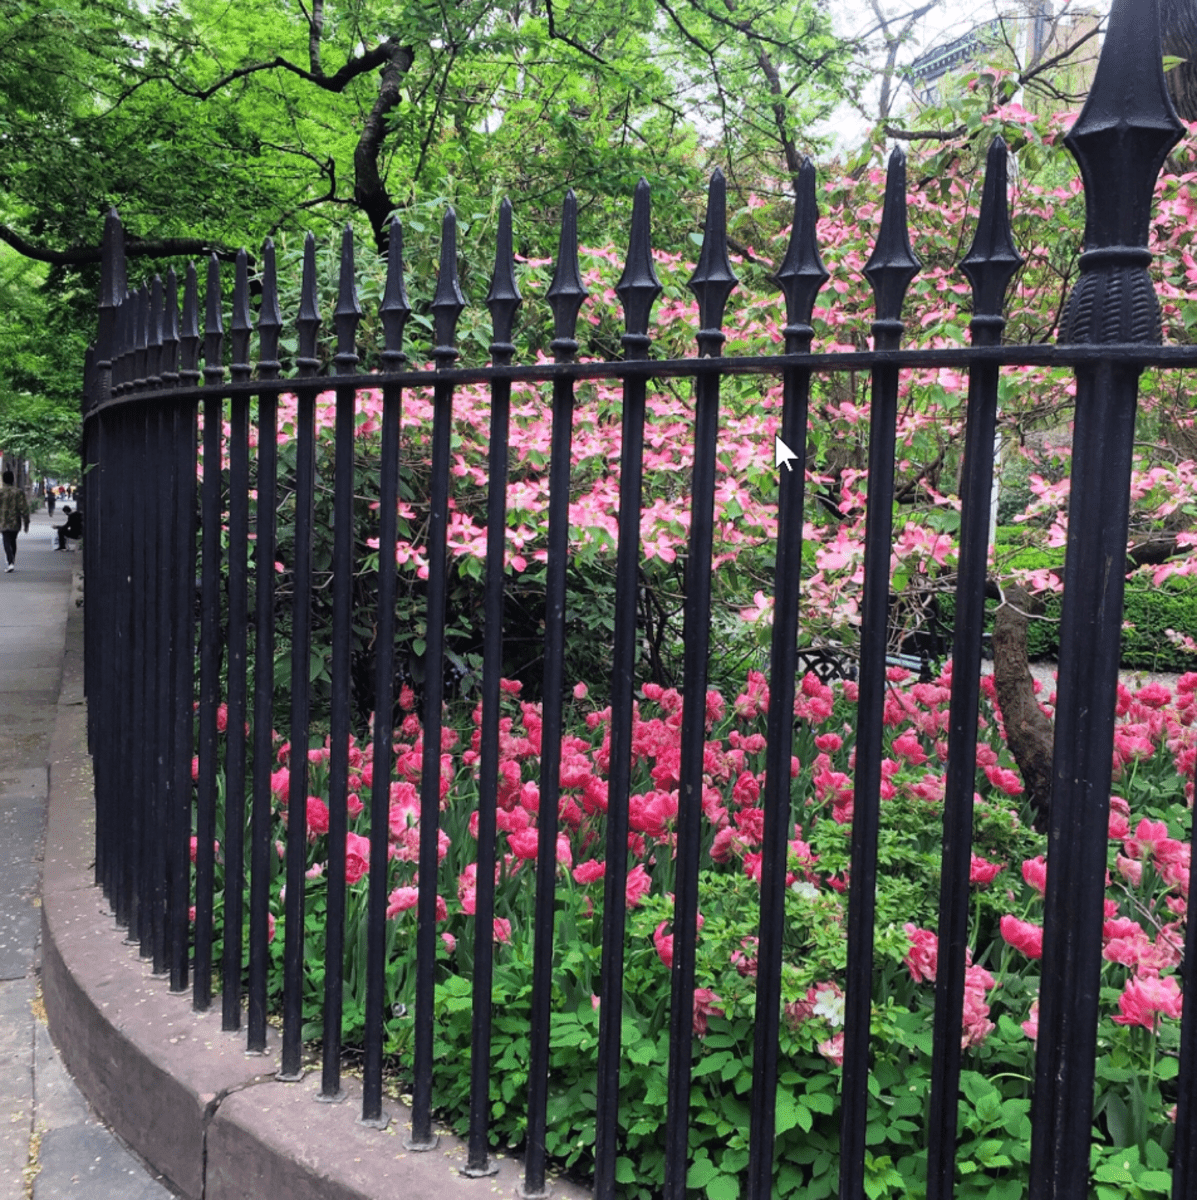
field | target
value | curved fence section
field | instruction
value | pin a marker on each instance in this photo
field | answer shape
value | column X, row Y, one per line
column 230, row 593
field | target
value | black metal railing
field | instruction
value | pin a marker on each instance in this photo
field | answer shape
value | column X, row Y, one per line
column 150, row 523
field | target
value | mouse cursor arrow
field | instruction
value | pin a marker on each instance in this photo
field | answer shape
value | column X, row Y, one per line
column 782, row 453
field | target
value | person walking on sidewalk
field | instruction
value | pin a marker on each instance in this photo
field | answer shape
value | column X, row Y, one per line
column 14, row 511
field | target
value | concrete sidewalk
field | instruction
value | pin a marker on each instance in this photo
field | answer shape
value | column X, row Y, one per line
column 51, row 1143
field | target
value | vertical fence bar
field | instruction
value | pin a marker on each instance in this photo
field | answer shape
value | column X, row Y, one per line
column 308, row 322
column 446, row 308
column 182, row 545
column 269, row 327
column 211, row 642
column 163, row 496
column 990, row 265
column 712, row 283
column 638, row 289
column 503, row 300
column 565, row 296
column 346, row 317
column 890, row 270
column 136, row 765
column 801, row 276
column 1120, row 141
column 238, row 640
column 394, row 313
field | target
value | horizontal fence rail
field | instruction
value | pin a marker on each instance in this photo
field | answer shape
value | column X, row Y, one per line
column 186, row 632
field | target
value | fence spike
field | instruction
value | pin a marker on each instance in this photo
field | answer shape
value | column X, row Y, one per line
column 213, row 324
column 713, row 279
column 638, row 286
column 993, row 258
column 1120, row 141
column 170, row 329
column 242, row 324
column 153, row 362
column 504, row 297
column 448, row 301
column 348, row 311
column 141, row 313
column 189, row 335
column 395, row 308
column 566, row 292
column 893, row 264
column 270, row 320
column 308, row 321
column 802, row 272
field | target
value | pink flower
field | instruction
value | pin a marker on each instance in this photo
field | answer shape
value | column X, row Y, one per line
column 983, row 872
column 975, row 1023
column 1034, row 872
column 401, row 899
column 1129, row 869
column 503, row 930
column 664, row 944
column 639, row 884
column 704, row 1006
column 1031, row 1025
column 450, row 942
column 357, row 857
column 923, row 957
column 1143, row 998
column 1004, row 780
column 525, row 843
column 317, row 815
column 1023, row 936
column 908, row 747
column 833, row 1050
column 270, row 926
column 581, row 691
column 588, row 871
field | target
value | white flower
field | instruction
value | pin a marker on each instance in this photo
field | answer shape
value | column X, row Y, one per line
column 806, row 890
column 829, row 1004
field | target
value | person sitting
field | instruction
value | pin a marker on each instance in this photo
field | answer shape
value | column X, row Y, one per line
column 71, row 528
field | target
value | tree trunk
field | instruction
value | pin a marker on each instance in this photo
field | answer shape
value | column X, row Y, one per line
column 1178, row 37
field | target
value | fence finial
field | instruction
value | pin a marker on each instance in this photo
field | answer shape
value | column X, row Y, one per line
column 270, row 320
column 348, row 311
column 242, row 324
column 308, row 320
column 395, row 308
column 993, row 258
column 153, row 361
column 713, row 278
column 638, row 286
column 566, row 292
column 141, row 313
column 213, row 324
column 893, row 264
column 189, row 335
column 802, row 272
column 504, row 296
column 1120, row 142
column 112, row 290
column 448, row 301
column 170, row 330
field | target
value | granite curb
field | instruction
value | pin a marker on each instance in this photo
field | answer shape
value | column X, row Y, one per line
column 183, row 1094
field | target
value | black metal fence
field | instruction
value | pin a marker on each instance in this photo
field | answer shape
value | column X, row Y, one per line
column 148, row 529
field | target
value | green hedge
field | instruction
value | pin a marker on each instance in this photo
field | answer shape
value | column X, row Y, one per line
column 1149, row 609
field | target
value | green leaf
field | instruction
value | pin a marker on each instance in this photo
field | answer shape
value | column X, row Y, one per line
column 724, row 1187
column 701, row 1172
column 625, row 1171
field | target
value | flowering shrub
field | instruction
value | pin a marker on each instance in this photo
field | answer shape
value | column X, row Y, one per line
column 1145, row 910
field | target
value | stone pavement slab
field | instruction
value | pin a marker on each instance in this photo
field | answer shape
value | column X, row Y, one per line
column 52, row 1144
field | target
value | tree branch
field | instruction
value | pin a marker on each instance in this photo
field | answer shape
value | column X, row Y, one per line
column 78, row 256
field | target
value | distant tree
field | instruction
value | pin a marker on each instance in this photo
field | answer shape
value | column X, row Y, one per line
column 1178, row 27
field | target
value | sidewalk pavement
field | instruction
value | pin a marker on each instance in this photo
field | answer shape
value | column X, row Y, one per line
column 51, row 1144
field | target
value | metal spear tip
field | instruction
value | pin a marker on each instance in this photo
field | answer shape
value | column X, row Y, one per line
column 802, row 272
column 638, row 286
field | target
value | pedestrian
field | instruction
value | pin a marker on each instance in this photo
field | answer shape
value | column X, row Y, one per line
column 50, row 501
column 73, row 528
column 14, row 512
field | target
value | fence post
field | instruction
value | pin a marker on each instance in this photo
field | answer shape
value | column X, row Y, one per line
column 1120, row 141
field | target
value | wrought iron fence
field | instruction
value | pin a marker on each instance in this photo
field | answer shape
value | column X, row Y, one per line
column 148, row 529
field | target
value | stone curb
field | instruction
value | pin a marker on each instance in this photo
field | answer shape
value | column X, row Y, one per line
column 183, row 1094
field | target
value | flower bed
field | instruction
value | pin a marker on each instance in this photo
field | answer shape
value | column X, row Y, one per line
column 1155, row 750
